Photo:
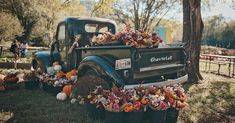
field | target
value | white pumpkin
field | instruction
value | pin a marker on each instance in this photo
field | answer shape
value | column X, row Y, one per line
column 61, row 96
column 50, row 71
column 57, row 68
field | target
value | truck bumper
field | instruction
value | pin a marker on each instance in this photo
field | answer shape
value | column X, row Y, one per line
column 162, row 83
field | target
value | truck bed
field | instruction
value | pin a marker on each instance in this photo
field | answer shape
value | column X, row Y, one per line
column 147, row 64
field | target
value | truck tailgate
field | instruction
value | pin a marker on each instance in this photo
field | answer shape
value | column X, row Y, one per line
column 158, row 61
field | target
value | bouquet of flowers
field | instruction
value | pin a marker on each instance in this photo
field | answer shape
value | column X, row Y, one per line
column 138, row 99
column 137, row 38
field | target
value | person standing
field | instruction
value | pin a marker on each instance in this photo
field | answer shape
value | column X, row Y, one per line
column 23, row 49
column 15, row 50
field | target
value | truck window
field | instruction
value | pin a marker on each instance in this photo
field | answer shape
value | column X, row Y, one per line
column 61, row 40
column 61, row 34
column 100, row 28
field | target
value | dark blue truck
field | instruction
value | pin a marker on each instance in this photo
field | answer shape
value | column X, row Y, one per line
column 127, row 66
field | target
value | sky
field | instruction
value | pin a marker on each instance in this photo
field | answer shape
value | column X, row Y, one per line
column 217, row 7
column 224, row 9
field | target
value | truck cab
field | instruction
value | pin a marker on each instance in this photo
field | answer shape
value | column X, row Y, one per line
column 125, row 65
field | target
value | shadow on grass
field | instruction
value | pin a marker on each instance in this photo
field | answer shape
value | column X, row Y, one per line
column 210, row 103
column 40, row 107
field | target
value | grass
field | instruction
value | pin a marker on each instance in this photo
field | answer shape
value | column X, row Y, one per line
column 224, row 69
column 210, row 101
column 9, row 57
column 40, row 107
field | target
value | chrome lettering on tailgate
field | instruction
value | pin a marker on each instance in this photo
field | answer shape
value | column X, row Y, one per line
column 159, row 59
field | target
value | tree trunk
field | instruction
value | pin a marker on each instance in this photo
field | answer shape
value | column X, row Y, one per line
column 192, row 34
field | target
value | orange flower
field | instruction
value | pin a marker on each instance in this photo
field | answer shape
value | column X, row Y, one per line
column 60, row 74
column 73, row 72
column 144, row 101
column 126, row 109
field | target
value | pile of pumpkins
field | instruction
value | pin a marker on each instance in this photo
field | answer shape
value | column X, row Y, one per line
column 65, row 93
column 57, row 78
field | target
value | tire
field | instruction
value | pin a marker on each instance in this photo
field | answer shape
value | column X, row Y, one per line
column 87, row 83
column 89, row 80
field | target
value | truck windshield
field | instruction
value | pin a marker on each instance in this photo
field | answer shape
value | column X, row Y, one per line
column 92, row 27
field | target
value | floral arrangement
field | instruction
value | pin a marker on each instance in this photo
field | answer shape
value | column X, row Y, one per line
column 137, row 38
column 56, row 77
column 138, row 99
column 56, row 81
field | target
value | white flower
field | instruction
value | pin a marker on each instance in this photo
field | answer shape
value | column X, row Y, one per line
column 50, row 71
column 57, row 68
column 73, row 100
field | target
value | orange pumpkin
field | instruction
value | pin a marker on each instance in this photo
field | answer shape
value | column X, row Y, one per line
column 69, row 75
column 67, row 89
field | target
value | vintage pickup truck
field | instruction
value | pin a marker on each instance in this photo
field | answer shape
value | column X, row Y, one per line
column 127, row 66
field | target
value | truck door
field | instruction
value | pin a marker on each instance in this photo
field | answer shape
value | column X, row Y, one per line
column 61, row 38
column 59, row 46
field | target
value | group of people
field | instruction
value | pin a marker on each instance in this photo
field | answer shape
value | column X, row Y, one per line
column 19, row 49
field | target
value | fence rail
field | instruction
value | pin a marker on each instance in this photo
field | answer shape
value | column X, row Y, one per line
column 219, row 60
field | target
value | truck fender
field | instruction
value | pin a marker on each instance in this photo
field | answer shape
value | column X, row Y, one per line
column 42, row 58
column 102, row 67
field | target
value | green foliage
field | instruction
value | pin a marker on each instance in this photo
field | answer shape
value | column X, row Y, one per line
column 40, row 17
column 219, row 33
column 9, row 27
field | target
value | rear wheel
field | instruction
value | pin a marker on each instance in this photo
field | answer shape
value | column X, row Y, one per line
column 89, row 80
column 86, row 84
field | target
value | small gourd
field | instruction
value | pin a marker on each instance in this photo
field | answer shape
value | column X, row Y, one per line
column 61, row 96
column 67, row 89
column 57, row 68
column 50, row 71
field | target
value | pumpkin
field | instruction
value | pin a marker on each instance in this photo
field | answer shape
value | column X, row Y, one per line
column 61, row 96
column 67, row 89
column 57, row 68
column 69, row 75
column 50, row 71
